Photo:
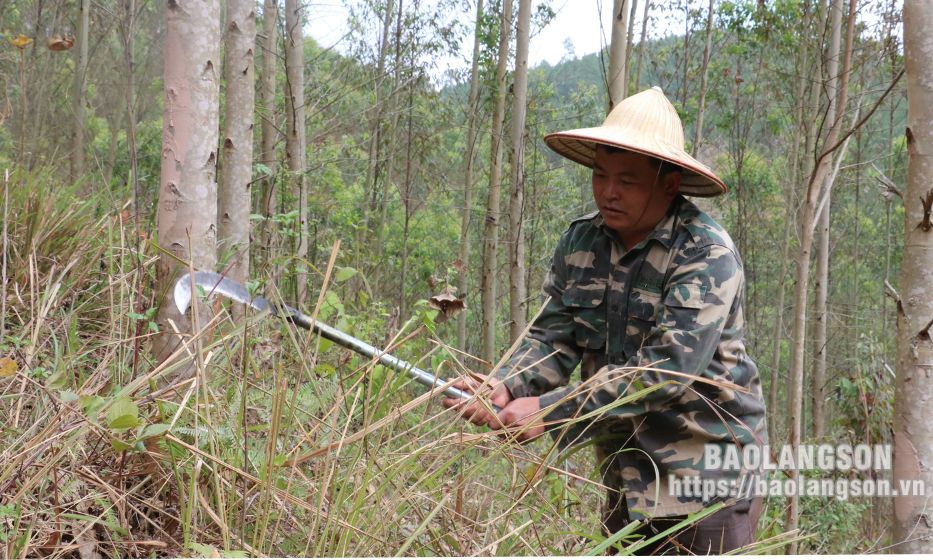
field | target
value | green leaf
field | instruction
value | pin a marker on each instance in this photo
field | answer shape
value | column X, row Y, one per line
column 56, row 381
column 123, row 422
column 154, row 430
column 345, row 273
column 68, row 396
column 325, row 345
column 325, row 370
column 256, row 217
column 124, row 406
column 118, row 445
column 153, row 327
column 279, row 460
column 136, row 316
column 91, row 403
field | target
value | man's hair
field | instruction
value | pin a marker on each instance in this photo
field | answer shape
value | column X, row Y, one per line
column 664, row 168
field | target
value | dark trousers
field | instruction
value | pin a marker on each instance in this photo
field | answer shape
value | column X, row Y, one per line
column 729, row 528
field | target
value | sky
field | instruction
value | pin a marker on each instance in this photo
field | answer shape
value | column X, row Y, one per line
column 578, row 20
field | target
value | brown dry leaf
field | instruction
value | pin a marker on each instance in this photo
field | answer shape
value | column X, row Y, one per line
column 59, row 43
column 432, row 281
column 8, row 367
column 447, row 303
column 458, row 266
column 21, row 41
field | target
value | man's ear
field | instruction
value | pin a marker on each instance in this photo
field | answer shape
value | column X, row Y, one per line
column 671, row 184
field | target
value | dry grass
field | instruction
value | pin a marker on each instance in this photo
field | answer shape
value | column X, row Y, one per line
column 96, row 464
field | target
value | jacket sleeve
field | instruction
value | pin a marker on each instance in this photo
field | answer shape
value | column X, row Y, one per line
column 549, row 353
column 697, row 303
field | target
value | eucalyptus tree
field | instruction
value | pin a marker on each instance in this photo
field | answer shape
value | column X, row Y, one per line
column 618, row 71
column 187, row 211
column 471, row 123
column 491, row 241
column 517, row 288
column 79, row 97
column 295, row 139
column 233, row 205
column 810, row 202
column 270, row 55
column 913, row 438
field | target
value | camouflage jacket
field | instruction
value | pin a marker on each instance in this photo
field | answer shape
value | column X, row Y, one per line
column 675, row 299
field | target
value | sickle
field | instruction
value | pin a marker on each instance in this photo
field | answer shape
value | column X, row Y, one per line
column 215, row 283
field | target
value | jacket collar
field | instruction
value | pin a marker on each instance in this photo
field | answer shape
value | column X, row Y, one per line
column 663, row 232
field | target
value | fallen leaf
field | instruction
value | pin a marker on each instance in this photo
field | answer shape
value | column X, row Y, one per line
column 21, row 41
column 8, row 367
column 447, row 303
column 59, row 43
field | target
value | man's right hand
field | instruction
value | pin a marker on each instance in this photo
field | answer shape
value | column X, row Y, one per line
column 473, row 411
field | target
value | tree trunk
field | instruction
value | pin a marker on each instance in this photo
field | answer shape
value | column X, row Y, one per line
column 789, row 215
column 375, row 126
column 641, row 46
column 464, row 275
column 187, row 209
column 630, row 37
column 79, row 100
column 617, row 70
column 913, row 439
column 698, row 133
column 114, row 124
column 270, row 18
column 295, row 143
column 517, row 289
column 491, row 241
column 683, row 102
column 822, row 233
column 390, row 154
column 800, row 299
column 233, row 204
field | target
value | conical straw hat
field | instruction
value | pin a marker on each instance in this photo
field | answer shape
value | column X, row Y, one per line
column 646, row 123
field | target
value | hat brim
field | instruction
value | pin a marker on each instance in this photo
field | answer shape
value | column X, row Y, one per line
column 580, row 146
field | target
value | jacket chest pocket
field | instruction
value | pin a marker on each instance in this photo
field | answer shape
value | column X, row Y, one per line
column 643, row 309
column 586, row 301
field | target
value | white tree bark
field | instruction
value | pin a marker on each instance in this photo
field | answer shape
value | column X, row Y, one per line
column 491, row 241
column 295, row 142
column 187, row 211
column 237, row 166
column 617, row 70
column 79, row 98
column 822, row 236
column 641, row 46
column 913, row 398
column 517, row 289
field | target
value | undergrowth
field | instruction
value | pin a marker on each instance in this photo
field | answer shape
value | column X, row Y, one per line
column 97, row 460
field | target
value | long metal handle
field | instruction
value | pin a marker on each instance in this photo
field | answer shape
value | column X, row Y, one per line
column 387, row 360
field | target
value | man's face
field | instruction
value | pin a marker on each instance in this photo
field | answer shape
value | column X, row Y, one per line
column 626, row 193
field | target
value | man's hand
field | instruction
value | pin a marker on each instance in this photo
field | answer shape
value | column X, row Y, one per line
column 521, row 415
column 497, row 392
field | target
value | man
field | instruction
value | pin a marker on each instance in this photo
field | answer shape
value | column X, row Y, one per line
column 648, row 279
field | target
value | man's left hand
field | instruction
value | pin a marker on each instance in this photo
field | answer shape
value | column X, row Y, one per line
column 521, row 415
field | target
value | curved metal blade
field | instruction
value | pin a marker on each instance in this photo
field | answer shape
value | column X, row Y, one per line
column 217, row 284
